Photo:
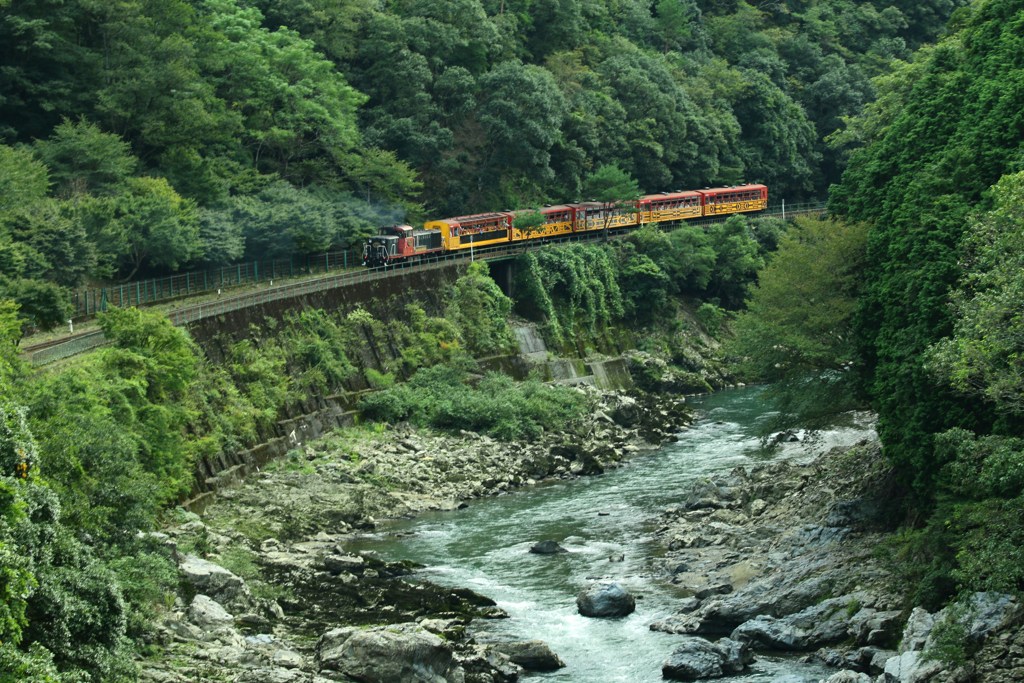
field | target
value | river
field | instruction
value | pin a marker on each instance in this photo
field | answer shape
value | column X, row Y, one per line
column 485, row 547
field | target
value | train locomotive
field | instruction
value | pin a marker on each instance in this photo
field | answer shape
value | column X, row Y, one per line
column 398, row 244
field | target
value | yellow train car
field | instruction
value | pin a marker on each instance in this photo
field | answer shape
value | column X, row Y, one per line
column 669, row 206
column 558, row 220
column 598, row 216
column 720, row 201
column 477, row 230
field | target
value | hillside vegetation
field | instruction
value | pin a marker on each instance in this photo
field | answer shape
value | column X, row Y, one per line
column 926, row 290
column 144, row 136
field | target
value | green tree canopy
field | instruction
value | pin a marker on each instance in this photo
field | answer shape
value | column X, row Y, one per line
column 24, row 180
column 480, row 311
column 85, row 160
column 985, row 354
column 799, row 317
column 944, row 135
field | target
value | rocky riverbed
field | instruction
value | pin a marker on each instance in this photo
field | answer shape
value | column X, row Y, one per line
column 782, row 556
column 270, row 592
column 791, row 557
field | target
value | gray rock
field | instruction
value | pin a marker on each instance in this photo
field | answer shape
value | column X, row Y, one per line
column 848, row 677
column 772, row 633
column 737, row 655
column 918, row 628
column 677, row 623
column 910, row 667
column 713, row 589
column 605, row 599
column 547, row 547
column 828, row 622
column 207, row 613
column 399, row 652
column 254, row 621
column 338, row 564
column 532, row 655
column 211, row 579
column 276, row 675
column 287, row 659
column 451, row 630
column 695, row 658
column 485, row 664
column 627, row 412
column 988, row 612
column 177, row 627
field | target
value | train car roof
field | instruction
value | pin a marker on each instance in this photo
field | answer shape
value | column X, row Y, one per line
column 734, row 188
column 472, row 218
column 397, row 228
column 669, row 195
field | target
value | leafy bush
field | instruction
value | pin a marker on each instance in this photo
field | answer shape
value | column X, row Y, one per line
column 948, row 642
column 711, row 317
column 645, row 287
column 427, row 340
column 480, row 311
column 379, row 380
column 572, row 288
column 32, row 666
column 442, row 397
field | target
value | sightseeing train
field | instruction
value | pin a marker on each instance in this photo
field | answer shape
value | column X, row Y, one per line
column 397, row 244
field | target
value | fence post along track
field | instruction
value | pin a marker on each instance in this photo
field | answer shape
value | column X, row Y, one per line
column 48, row 352
column 88, row 302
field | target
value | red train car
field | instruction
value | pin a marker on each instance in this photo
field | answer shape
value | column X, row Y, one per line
column 720, row 201
column 400, row 243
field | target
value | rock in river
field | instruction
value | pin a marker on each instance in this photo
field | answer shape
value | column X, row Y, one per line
column 532, row 655
column 547, row 548
column 605, row 599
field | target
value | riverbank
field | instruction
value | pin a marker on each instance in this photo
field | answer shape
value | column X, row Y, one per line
column 796, row 556
column 780, row 555
column 267, row 574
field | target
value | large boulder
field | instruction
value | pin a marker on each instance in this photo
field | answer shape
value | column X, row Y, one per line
column 272, row 675
column 847, row 676
column 911, row 667
column 988, row 612
column 830, row 621
column 695, row 659
column 918, row 628
column 215, row 581
column 605, row 599
column 532, row 655
column 399, row 652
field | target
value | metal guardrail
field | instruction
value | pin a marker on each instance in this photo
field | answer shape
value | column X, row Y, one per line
column 87, row 302
column 70, row 346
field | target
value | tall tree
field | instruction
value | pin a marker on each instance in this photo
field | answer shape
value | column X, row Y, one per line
column 797, row 329
column 615, row 189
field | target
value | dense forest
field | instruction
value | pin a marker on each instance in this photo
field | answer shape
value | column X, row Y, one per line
column 144, row 136
column 141, row 137
column 924, row 288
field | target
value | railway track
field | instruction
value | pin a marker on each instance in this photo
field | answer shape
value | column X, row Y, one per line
column 73, row 344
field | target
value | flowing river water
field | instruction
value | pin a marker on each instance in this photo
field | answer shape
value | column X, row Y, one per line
column 485, row 547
